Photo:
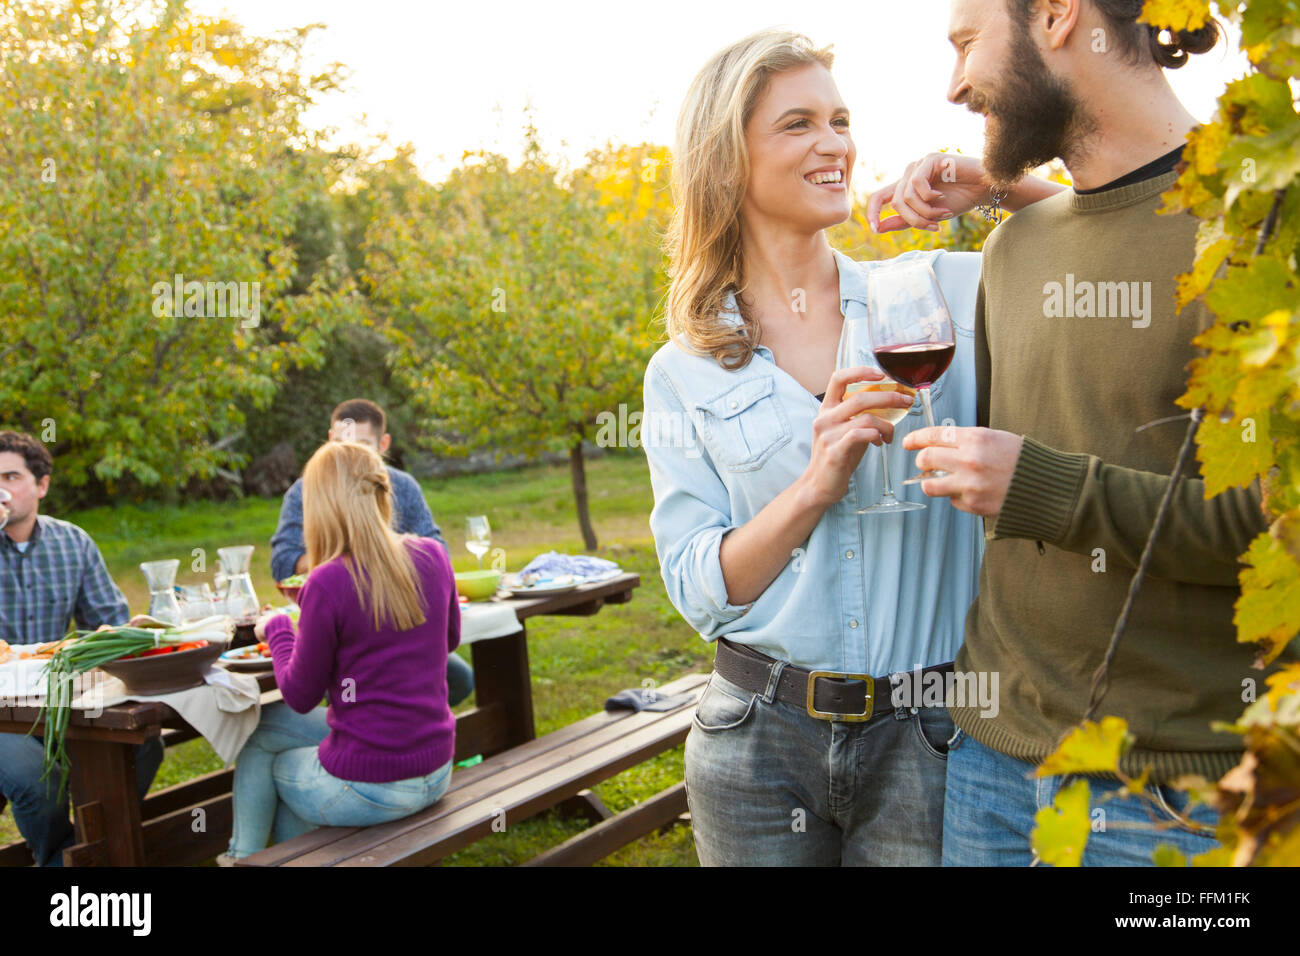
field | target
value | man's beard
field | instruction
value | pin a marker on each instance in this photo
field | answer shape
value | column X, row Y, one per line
column 1032, row 117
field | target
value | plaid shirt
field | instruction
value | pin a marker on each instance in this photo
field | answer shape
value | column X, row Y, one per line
column 61, row 575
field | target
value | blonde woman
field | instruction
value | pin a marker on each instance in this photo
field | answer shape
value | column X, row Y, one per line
column 379, row 617
column 757, row 461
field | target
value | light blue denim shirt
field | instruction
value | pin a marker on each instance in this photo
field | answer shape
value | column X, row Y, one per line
column 865, row 593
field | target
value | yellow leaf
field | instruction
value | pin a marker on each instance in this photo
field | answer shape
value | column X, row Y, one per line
column 1176, row 14
column 1166, row 854
column 1092, row 748
column 1061, row 830
column 1232, row 454
column 1269, row 607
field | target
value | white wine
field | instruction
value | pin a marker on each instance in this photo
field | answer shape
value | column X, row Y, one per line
column 891, row 414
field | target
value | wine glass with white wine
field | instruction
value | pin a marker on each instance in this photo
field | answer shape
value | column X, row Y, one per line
column 478, row 536
column 855, row 350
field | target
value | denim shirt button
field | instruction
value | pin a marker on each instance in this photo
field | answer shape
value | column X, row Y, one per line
column 849, row 555
column 853, row 623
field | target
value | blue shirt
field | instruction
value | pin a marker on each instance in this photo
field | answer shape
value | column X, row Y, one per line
column 864, row 594
column 60, row 576
column 411, row 515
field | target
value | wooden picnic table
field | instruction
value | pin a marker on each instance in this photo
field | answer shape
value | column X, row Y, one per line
column 114, row 829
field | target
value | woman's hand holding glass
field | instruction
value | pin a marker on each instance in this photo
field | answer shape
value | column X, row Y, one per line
column 842, row 431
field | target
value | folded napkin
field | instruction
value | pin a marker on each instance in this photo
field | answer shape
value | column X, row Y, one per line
column 640, row 698
column 552, row 564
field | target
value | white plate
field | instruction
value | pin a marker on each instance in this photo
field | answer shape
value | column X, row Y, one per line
column 237, row 660
column 559, row 585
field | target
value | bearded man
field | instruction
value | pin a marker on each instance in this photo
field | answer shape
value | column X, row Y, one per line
column 1079, row 345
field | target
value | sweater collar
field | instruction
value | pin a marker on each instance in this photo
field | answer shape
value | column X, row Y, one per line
column 1123, row 195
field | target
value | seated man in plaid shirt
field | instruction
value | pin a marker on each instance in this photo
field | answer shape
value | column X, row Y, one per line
column 50, row 572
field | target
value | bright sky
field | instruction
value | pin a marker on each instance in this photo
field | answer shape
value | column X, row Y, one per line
column 451, row 77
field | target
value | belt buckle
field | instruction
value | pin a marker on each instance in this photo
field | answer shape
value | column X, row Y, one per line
column 869, row 700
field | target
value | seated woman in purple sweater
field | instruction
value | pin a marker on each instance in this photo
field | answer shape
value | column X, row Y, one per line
column 379, row 617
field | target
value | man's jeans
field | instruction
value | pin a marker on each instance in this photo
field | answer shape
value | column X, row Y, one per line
column 42, row 820
column 281, row 790
column 991, row 802
column 769, row 785
column 460, row 680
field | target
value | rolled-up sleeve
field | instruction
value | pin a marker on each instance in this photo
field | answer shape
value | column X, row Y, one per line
column 692, row 510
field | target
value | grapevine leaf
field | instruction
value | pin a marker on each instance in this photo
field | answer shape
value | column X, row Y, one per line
column 1175, row 14
column 1061, row 829
column 1268, row 610
column 1091, row 748
column 1166, row 854
column 1232, row 454
column 1262, row 794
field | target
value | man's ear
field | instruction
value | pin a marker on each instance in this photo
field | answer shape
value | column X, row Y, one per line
column 1058, row 19
column 42, row 487
column 384, row 443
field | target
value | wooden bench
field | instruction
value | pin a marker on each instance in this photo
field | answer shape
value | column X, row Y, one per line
column 505, row 789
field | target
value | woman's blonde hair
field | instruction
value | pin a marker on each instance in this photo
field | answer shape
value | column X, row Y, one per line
column 347, row 509
column 710, row 176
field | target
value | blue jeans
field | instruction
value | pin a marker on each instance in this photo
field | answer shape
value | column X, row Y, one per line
column 281, row 790
column 769, row 785
column 991, row 802
column 460, row 680
column 43, row 820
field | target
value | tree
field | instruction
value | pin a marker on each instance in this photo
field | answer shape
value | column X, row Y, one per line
column 522, row 299
column 154, row 171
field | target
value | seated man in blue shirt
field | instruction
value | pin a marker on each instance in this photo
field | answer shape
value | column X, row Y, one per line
column 359, row 419
column 50, row 572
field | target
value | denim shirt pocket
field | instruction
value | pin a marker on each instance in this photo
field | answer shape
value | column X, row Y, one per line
column 745, row 425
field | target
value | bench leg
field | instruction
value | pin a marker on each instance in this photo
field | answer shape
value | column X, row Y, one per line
column 618, row 831
column 585, row 804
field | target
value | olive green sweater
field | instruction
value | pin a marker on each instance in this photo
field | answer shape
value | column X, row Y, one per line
column 1077, row 345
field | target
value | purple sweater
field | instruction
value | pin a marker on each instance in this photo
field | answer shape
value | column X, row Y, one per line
column 388, row 712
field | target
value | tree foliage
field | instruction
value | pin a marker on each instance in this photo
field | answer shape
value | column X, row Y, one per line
column 141, row 142
column 522, row 297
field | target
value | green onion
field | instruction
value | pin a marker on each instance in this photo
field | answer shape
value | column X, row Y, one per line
column 91, row 649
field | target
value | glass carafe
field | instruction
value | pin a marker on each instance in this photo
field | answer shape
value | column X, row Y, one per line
column 240, row 598
column 161, row 576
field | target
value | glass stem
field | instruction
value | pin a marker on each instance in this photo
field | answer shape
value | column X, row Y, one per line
column 925, row 402
column 884, row 470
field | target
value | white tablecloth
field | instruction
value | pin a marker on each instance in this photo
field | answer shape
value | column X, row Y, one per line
column 224, row 710
column 481, row 620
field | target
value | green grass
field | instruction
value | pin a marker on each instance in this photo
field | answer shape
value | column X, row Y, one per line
column 576, row 662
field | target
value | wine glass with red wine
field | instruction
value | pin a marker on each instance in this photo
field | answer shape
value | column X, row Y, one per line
column 911, row 332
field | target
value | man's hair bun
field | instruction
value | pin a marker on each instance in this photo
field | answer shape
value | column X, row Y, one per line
column 1171, row 48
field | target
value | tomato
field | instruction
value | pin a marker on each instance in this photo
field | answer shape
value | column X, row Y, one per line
column 154, row 651
column 192, row 645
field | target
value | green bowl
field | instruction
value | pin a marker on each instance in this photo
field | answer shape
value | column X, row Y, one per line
column 478, row 585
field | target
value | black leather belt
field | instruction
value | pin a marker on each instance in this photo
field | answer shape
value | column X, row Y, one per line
column 826, row 695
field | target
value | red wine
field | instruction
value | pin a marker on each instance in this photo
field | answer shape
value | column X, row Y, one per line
column 916, row 365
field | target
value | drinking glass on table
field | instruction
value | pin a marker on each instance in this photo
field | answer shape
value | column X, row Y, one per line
column 911, row 333
column 478, row 536
column 855, row 350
